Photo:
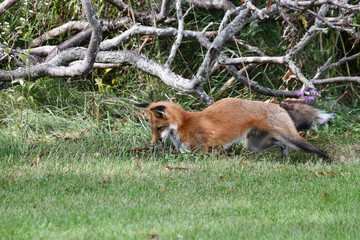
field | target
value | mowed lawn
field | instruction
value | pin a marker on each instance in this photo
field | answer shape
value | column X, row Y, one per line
column 91, row 187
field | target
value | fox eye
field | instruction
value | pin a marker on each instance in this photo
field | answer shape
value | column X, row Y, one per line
column 158, row 129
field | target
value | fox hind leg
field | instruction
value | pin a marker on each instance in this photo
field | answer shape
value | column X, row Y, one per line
column 298, row 143
column 258, row 140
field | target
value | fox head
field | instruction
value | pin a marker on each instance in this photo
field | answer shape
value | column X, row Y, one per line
column 163, row 119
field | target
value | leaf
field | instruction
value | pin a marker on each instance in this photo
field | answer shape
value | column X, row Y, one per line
column 107, row 70
column 305, row 23
column 323, row 173
column 19, row 80
column 288, row 76
column 325, row 195
column 23, row 56
column 19, row 99
column 307, row 176
column 332, row 171
column 145, row 37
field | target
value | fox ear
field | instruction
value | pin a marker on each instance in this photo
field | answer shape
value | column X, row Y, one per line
column 142, row 105
column 159, row 111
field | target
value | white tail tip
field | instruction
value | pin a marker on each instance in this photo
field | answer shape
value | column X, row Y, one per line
column 323, row 117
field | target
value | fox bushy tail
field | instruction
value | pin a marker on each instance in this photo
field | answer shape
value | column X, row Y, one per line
column 305, row 115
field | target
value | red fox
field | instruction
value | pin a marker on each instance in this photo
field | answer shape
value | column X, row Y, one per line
column 261, row 125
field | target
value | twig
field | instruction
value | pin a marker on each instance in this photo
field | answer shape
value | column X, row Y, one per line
column 298, row 74
column 213, row 52
column 179, row 35
column 251, row 6
column 164, row 11
column 224, row 5
column 72, row 25
column 5, row 5
column 207, row 26
column 227, row 15
column 246, row 82
column 264, row 59
column 75, row 40
column 336, row 80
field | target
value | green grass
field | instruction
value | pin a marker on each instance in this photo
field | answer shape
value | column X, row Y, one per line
column 94, row 197
column 66, row 173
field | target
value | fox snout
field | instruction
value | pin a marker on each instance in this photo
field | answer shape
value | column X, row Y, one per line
column 156, row 139
column 160, row 133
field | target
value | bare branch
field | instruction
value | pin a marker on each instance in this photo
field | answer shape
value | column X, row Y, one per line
column 336, row 80
column 179, row 35
column 251, row 6
column 71, row 42
column 145, row 16
column 298, row 73
column 343, row 60
column 350, row 31
column 264, row 59
column 164, row 11
column 328, row 66
column 6, row 5
column 75, row 40
column 247, row 82
column 214, row 4
column 341, row 4
column 217, row 45
column 322, row 69
column 311, row 33
column 42, row 51
column 56, row 70
column 96, row 36
column 72, row 25
column 67, row 60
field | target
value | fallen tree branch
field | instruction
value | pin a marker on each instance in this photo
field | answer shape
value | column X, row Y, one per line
column 5, row 5
column 263, row 59
column 75, row 40
column 164, row 11
column 72, row 25
column 179, row 36
column 336, row 80
column 67, row 60
column 224, row 5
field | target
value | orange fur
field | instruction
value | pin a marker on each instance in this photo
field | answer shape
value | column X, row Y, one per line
column 262, row 124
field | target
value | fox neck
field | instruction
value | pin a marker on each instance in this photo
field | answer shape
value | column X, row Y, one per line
column 175, row 135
